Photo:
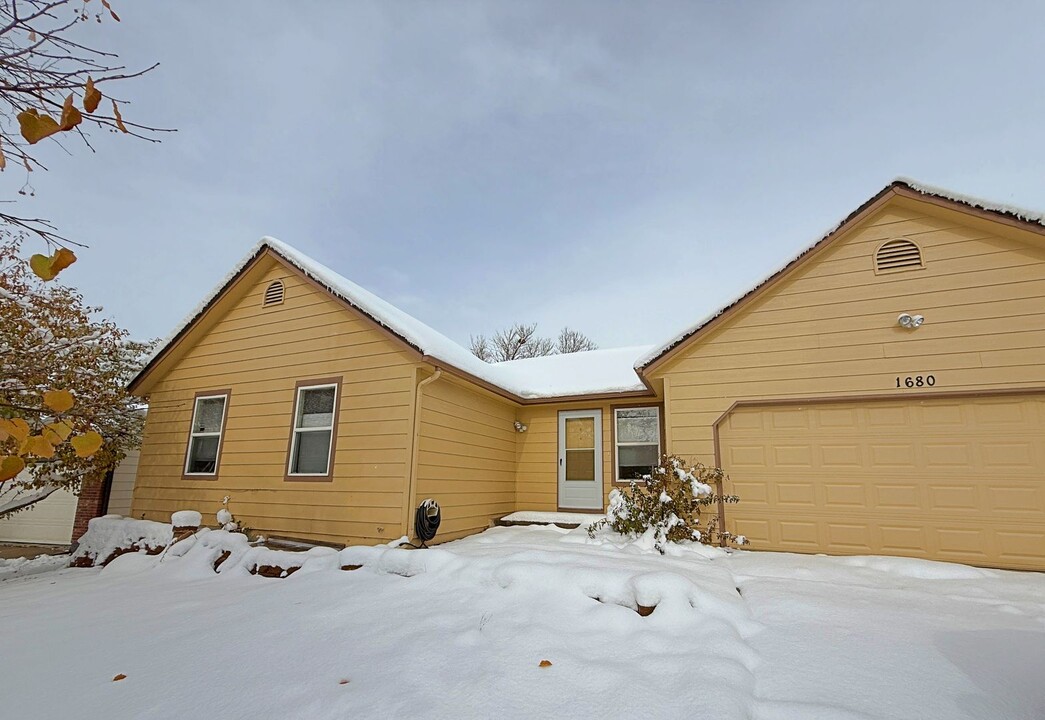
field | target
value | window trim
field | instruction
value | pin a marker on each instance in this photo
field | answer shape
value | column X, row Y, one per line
column 661, row 437
column 206, row 395
column 328, row 476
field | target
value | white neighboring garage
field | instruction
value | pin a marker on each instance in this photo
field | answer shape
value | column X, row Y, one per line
column 50, row 521
column 47, row 522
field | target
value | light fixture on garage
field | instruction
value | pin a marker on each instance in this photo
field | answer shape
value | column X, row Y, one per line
column 909, row 321
column 519, row 427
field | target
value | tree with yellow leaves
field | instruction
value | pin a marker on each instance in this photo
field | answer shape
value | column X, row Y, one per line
column 65, row 415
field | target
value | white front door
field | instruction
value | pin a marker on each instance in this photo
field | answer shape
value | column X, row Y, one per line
column 580, row 460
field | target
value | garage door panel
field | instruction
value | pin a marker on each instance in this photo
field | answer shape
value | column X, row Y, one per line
column 1019, row 500
column 902, row 539
column 793, row 456
column 845, row 495
column 799, row 534
column 943, row 415
column 855, row 536
column 796, row 494
column 950, row 479
column 842, row 456
column 947, row 454
column 897, row 496
column 747, row 456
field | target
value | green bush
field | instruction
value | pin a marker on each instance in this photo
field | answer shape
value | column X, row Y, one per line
column 676, row 502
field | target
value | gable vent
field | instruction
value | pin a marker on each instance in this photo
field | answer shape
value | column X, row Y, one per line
column 274, row 294
column 898, row 255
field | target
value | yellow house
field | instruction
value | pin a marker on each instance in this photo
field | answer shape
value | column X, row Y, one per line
column 884, row 393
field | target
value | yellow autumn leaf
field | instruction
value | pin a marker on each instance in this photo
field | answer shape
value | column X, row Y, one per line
column 38, row 445
column 62, row 259
column 10, row 466
column 119, row 118
column 71, row 117
column 59, row 400
column 3, row 160
column 41, row 265
column 35, row 127
column 91, row 96
column 57, row 432
column 87, row 444
column 16, row 428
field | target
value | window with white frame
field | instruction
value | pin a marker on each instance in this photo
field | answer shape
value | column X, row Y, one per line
column 637, row 439
column 208, row 420
column 313, row 430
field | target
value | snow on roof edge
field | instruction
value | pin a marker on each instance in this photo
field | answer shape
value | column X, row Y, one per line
column 1036, row 217
column 1019, row 213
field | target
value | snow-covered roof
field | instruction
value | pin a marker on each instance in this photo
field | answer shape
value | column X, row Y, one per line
column 1012, row 211
column 583, row 373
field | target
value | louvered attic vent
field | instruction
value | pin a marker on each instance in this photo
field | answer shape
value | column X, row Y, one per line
column 274, row 294
column 898, row 255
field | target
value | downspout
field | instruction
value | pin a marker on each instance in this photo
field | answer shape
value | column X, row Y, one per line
column 415, row 453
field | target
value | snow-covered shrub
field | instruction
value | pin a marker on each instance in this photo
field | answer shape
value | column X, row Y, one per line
column 674, row 503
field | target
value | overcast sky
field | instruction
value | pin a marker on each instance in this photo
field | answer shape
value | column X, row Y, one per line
column 622, row 168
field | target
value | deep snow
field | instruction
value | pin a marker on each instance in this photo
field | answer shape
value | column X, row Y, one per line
column 459, row 631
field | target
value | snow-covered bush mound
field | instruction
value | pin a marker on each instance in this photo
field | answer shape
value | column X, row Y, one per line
column 673, row 504
column 112, row 535
column 222, row 552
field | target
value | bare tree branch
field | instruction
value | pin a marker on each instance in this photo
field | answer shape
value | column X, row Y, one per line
column 41, row 69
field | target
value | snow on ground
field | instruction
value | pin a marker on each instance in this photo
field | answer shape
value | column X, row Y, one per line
column 459, row 631
column 549, row 518
column 20, row 567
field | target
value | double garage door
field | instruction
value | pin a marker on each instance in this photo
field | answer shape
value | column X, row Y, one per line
column 955, row 479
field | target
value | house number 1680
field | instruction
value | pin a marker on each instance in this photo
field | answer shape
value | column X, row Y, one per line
column 913, row 381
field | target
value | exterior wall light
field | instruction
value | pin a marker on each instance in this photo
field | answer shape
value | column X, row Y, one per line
column 519, row 427
column 909, row 321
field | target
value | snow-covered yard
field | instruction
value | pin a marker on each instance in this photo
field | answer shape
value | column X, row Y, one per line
column 459, row 631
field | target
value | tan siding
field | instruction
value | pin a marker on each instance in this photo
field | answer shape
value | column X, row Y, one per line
column 829, row 329
column 260, row 353
column 466, row 457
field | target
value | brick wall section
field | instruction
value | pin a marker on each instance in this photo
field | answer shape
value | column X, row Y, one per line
column 92, row 501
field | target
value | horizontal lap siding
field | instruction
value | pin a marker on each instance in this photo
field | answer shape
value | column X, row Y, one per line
column 466, row 457
column 260, row 353
column 830, row 330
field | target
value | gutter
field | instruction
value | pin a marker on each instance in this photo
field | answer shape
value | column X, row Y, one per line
column 415, row 452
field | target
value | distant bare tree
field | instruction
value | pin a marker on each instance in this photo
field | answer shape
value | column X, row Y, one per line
column 521, row 341
column 480, row 347
column 571, row 341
